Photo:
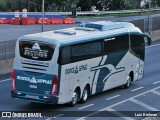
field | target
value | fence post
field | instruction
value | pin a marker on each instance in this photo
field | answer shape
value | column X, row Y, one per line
column 5, row 51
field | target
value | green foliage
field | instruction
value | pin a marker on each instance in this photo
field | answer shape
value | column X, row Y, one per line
column 67, row 5
column 10, row 5
column 115, row 4
column 3, row 5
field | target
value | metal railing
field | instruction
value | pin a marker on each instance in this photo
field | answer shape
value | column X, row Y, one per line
column 7, row 49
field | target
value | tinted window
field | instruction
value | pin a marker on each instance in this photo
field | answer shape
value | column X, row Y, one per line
column 78, row 52
column 64, row 55
column 137, row 45
column 136, row 40
column 116, row 44
column 36, row 50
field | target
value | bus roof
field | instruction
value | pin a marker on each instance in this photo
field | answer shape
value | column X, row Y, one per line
column 84, row 32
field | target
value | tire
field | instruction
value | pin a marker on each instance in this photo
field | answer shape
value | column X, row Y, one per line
column 85, row 95
column 75, row 98
column 128, row 84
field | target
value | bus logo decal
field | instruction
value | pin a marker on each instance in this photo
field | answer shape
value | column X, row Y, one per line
column 36, row 47
column 35, row 52
column 34, row 80
column 76, row 70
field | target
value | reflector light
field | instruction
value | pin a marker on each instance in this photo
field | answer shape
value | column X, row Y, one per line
column 55, row 85
column 13, row 79
column 46, row 97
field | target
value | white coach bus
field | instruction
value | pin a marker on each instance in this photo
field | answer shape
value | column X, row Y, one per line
column 68, row 65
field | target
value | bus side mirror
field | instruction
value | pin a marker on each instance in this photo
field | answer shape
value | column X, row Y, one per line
column 149, row 41
column 148, row 38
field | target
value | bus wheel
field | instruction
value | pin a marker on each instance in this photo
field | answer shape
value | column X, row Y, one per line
column 129, row 80
column 85, row 95
column 75, row 97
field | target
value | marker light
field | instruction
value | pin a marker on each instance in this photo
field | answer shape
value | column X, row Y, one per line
column 20, row 43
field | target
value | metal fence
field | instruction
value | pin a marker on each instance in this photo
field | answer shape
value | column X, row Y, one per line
column 7, row 48
column 144, row 25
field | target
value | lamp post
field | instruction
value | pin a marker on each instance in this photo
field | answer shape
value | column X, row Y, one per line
column 149, row 19
column 42, row 16
column 28, row 5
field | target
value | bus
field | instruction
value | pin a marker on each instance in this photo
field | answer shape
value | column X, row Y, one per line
column 69, row 65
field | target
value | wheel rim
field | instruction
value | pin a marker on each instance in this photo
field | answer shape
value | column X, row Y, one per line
column 128, row 81
column 74, row 98
column 85, row 95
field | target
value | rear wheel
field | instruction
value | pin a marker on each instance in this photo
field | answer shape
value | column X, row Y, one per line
column 85, row 95
column 128, row 84
column 75, row 98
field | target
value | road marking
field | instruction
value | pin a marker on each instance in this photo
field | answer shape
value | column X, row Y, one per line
column 156, row 92
column 144, row 105
column 137, row 89
column 113, row 97
column 152, row 45
column 119, row 114
column 5, row 80
column 156, row 82
column 55, row 117
column 85, row 106
column 89, row 115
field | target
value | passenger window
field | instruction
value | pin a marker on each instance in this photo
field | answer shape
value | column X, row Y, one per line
column 116, row 44
column 137, row 45
column 79, row 52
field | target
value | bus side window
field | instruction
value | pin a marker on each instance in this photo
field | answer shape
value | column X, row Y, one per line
column 64, row 55
column 79, row 52
column 137, row 45
column 85, row 51
column 116, row 44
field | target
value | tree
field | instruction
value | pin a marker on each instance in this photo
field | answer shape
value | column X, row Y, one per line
column 85, row 5
column 3, row 5
column 155, row 3
column 138, row 3
column 158, row 3
column 114, row 4
column 10, row 5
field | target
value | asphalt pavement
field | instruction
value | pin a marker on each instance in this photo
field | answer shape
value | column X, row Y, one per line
column 118, row 103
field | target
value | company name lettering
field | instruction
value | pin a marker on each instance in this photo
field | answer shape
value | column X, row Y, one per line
column 34, row 80
column 34, row 62
column 76, row 69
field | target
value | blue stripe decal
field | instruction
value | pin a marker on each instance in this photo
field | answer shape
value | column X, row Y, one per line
column 107, row 69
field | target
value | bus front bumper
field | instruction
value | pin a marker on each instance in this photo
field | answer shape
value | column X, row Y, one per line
column 39, row 98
